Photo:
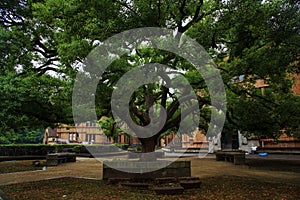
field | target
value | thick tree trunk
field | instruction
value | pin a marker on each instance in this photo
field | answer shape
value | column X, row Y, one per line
column 148, row 144
column 148, row 148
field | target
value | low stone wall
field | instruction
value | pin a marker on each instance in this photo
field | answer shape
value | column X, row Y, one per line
column 238, row 158
column 145, row 170
column 54, row 159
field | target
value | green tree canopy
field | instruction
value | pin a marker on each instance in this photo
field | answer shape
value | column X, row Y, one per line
column 249, row 40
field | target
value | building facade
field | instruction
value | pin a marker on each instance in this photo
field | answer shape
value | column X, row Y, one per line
column 84, row 133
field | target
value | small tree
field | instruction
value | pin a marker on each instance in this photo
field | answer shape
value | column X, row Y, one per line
column 109, row 128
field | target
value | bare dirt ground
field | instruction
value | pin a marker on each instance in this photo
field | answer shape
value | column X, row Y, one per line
column 267, row 169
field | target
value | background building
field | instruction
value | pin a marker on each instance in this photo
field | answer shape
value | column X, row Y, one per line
column 86, row 133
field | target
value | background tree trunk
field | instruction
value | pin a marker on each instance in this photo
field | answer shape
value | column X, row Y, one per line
column 148, row 144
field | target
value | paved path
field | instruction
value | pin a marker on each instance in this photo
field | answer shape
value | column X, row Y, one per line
column 207, row 167
column 210, row 168
column 83, row 167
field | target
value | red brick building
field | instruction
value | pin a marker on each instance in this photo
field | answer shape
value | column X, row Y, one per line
column 296, row 86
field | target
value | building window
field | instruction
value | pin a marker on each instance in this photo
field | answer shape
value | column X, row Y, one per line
column 91, row 138
column 73, row 136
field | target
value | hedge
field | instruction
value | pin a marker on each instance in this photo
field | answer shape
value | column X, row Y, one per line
column 37, row 149
column 43, row 149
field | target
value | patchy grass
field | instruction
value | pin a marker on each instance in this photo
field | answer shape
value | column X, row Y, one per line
column 222, row 187
column 225, row 187
column 17, row 166
column 260, row 179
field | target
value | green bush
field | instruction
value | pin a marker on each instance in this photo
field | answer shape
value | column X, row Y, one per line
column 138, row 148
column 34, row 149
column 80, row 149
column 43, row 149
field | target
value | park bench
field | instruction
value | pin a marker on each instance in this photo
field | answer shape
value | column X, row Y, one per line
column 53, row 159
column 237, row 158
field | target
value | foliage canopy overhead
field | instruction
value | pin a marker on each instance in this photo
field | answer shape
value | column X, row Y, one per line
column 44, row 43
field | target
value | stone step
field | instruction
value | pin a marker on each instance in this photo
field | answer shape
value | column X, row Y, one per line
column 168, row 190
column 190, row 184
column 136, row 185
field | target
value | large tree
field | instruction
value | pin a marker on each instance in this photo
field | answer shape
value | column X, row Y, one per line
column 75, row 27
column 248, row 39
column 35, row 90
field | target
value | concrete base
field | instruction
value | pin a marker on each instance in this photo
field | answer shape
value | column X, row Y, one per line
column 145, row 170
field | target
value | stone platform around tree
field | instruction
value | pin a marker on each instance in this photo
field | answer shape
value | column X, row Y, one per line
column 145, row 170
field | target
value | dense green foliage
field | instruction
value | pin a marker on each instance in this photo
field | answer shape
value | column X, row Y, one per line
column 22, row 136
column 109, row 127
column 39, row 149
column 43, row 45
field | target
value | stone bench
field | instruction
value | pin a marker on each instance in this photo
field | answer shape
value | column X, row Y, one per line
column 237, row 158
column 53, row 159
